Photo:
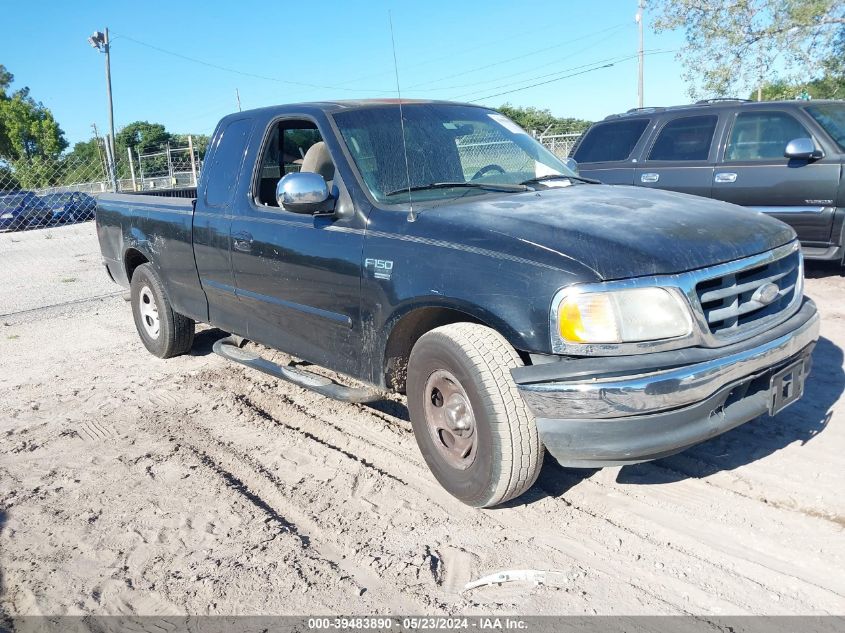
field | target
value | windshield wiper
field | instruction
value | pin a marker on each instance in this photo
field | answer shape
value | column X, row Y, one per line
column 532, row 181
column 490, row 186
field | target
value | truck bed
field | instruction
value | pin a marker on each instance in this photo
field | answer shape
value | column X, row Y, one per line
column 157, row 229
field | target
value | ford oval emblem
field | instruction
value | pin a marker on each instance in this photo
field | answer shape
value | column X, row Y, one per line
column 766, row 293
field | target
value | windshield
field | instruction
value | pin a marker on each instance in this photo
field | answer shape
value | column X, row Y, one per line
column 831, row 116
column 446, row 144
column 57, row 198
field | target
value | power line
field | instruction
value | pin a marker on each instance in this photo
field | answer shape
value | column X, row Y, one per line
column 523, row 56
column 235, row 71
column 486, row 43
column 522, row 72
column 583, row 72
column 617, row 58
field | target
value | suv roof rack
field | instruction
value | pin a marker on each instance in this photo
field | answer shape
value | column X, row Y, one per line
column 722, row 100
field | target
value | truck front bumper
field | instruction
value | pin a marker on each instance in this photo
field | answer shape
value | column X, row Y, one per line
column 604, row 411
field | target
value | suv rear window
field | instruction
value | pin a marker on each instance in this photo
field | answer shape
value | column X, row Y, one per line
column 610, row 141
column 687, row 138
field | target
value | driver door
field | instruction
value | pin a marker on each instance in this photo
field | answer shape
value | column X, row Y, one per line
column 297, row 275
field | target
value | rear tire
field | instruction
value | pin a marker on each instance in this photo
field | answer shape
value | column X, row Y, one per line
column 164, row 332
column 474, row 430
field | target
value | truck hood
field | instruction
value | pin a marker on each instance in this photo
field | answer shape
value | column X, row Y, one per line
column 615, row 231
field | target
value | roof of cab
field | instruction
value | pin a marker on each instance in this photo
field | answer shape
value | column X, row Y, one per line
column 346, row 104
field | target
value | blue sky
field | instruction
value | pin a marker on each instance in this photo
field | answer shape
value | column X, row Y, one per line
column 450, row 50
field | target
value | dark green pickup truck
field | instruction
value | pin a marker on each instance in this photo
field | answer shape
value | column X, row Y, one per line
column 437, row 250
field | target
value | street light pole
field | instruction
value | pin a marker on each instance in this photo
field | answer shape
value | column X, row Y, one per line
column 639, row 18
column 100, row 41
column 107, row 50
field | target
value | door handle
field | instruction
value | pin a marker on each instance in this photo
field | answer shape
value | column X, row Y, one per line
column 242, row 241
column 651, row 177
column 725, row 176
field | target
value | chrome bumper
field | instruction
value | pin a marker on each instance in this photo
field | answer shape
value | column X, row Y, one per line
column 626, row 415
column 662, row 390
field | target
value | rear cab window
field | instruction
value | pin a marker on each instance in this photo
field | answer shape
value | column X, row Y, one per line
column 611, row 141
column 225, row 168
column 687, row 138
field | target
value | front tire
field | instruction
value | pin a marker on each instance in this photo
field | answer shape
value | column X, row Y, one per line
column 164, row 332
column 474, row 430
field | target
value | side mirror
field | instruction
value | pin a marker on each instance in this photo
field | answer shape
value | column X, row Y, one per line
column 572, row 164
column 802, row 149
column 304, row 192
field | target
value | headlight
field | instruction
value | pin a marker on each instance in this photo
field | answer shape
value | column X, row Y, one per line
column 7, row 216
column 622, row 316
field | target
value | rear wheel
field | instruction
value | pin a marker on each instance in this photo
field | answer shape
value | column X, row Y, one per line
column 473, row 428
column 163, row 331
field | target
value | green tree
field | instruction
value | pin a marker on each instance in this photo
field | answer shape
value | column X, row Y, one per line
column 142, row 136
column 200, row 142
column 27, row 127
column 830, row 85
column 736, row 45
column 6, row 79
column 539, row 120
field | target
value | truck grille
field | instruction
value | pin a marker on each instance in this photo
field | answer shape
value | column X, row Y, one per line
column 727, row 301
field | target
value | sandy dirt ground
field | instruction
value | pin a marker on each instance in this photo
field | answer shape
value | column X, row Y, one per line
column 133, row 485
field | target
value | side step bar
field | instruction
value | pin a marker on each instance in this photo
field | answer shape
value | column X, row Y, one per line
column 230, row 349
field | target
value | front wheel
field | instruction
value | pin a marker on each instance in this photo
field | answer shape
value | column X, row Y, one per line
column 475, row 432
column 163, row 332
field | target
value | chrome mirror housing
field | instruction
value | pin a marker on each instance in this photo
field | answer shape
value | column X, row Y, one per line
column 802, row 149
column 304, row 192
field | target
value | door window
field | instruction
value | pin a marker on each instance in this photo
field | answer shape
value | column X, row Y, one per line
column 610, row 141
column 762, row 136
column 292, row 146
column 687, row 138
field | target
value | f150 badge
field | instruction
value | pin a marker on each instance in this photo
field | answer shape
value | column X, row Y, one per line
column 382, row 268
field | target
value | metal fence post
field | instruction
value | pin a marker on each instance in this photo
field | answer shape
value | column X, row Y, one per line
column 140, row 168
column 132, row 169
column 193, row 159
column 170, row 167
column 110, row 157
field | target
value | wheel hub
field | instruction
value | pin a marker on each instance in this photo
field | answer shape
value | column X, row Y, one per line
column 450, row 419
column 149, row 312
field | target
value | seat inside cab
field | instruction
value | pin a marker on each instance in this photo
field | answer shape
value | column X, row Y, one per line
column 293, row 146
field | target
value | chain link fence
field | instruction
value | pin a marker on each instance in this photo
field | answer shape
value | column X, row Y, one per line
column 483, row 149
column 37, row 193
column 49, row 254
column 561, row 145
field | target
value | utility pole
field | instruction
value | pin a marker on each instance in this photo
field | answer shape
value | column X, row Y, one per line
column 639, row 19
column 100, row 41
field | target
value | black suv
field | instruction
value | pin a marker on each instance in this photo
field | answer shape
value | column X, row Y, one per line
column 784, row 158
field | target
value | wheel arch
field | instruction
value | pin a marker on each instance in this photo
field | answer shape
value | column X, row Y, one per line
column 406, row 327
column 132, row 258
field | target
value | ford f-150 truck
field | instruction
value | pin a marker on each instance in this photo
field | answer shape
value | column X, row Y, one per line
column 436, row 249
